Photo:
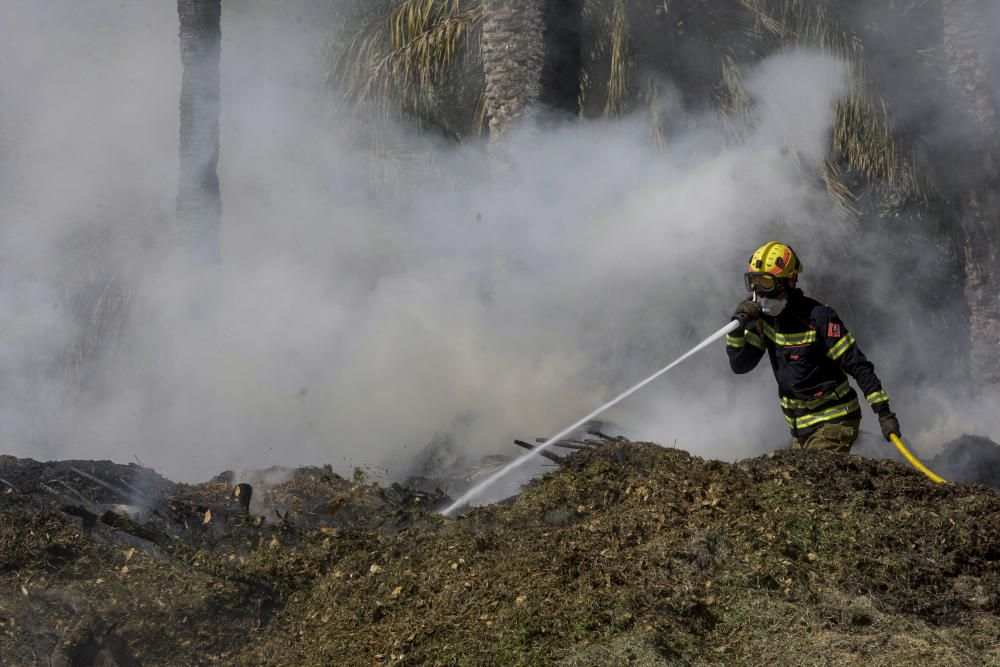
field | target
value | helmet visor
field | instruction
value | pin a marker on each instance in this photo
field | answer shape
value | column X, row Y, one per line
column 764, row 283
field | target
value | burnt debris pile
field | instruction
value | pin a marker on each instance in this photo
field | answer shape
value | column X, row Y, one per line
column 971, row 459
column 113, row 564
column 626, row 553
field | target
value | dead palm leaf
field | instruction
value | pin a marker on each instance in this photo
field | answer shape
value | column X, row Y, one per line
column 862, row 138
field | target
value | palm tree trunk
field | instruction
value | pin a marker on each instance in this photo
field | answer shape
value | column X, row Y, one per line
column 512, row 61
column 199, row 205
column 966, row 41
column 531, row 59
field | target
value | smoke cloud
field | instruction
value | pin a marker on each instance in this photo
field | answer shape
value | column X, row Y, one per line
column 353, row 324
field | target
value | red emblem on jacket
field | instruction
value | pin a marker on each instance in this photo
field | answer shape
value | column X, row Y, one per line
column 833, row 330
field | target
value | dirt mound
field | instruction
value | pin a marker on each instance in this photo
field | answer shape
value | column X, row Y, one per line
column 628, row 554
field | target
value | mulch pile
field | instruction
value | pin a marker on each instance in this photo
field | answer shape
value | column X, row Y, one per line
column 629, row 553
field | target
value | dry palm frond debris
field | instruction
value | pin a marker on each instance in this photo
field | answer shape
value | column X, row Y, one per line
column 575, row 444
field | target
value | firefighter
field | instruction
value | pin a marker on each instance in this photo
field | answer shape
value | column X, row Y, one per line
column 811, row 354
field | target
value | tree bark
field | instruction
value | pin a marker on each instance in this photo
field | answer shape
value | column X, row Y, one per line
column 199, row 203
column 531, row 59
column 970, row 48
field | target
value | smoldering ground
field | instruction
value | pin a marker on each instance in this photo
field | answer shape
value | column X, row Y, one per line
column 354, row 323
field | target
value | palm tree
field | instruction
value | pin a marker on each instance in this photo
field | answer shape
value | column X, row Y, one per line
column 498, row 52
column 976, row 180
column 415, row 60
column 460, row 67
column 199, row 206
column 531, row 59
column 513, row 54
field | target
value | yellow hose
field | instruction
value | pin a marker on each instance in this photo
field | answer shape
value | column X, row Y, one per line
column 913, row 460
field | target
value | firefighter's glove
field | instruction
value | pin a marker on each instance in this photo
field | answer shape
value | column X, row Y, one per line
column 747, row 312
column 890, row 425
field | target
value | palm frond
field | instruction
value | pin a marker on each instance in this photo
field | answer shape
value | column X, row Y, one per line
column 839, row 191
column 656, row 124
column 620, row 62
column 596, row 60
column 733, row 102
column 863, row 133
column 404, row 60
column 410, row 61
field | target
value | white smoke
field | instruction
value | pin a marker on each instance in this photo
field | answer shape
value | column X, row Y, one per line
column 353, row 324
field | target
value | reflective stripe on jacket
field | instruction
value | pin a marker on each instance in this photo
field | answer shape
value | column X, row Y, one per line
column 811, row 354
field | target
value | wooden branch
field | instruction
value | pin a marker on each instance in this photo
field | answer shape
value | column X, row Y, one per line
column 547, row 454
column 573, row 445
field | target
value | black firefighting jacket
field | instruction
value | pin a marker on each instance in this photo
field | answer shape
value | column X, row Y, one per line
column 810, row 351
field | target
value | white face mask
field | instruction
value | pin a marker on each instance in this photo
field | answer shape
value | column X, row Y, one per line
column 772, row 307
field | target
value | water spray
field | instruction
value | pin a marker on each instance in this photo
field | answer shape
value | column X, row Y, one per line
column 477, row 490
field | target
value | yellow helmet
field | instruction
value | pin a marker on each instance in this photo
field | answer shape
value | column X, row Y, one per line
column 769, row 263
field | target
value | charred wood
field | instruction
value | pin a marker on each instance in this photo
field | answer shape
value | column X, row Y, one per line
column 549, row 455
